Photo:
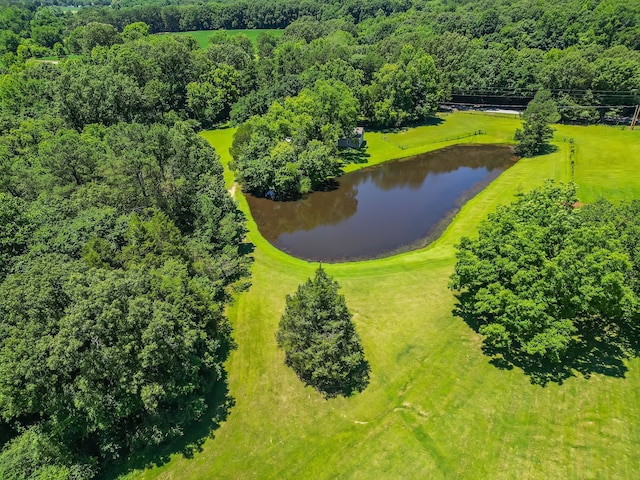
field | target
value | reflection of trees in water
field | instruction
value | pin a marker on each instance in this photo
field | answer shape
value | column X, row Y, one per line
column 318, row 208
column 413, row 171
column 334, row 206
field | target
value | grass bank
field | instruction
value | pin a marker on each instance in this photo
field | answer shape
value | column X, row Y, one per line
column 435, row 407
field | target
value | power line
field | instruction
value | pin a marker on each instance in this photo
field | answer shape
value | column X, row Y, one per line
column 553, row 90
column 559, row 106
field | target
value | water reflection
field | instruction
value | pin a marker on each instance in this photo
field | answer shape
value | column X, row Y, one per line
column 382, row 209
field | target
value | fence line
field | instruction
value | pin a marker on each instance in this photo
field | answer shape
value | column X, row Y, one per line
column 404, row 146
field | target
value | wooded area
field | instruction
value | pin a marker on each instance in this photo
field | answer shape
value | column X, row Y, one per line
column 120, row 247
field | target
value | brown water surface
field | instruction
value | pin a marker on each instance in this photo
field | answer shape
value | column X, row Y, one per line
column 383, row 209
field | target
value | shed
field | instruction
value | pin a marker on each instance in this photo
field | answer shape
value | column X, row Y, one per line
column 355, row 141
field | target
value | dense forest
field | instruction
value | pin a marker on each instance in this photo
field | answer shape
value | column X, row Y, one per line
column 119, row 244
column 386, row 67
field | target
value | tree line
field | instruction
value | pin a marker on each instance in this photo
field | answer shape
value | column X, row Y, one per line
column 119, row 250
column 388, row 70
column 119, row 245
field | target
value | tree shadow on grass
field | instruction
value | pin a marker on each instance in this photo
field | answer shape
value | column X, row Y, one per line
column 590, row 354
column 246, row 248
column 426, row 122
column 548, row 148
column 355, row 155
column 191, row 442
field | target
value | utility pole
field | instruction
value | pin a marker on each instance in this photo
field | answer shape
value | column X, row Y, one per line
column 635, row 117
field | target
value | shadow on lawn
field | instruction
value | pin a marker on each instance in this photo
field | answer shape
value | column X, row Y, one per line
column 355, row 155
column 593, row 353
column 427, row 122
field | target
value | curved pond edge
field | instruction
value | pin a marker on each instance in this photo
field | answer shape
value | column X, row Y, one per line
column 430, row 241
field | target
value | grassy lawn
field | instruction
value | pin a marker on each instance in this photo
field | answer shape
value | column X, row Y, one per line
column 202, row 36
column 435, row 407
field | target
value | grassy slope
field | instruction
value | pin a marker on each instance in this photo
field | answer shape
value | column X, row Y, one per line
column 202, row 36
column 435, row 407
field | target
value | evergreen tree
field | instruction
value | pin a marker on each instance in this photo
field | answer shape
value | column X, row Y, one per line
column 320, row 340
column 534, row 138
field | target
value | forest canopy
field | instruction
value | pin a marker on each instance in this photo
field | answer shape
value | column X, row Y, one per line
column 120, row 246
column 119, row 249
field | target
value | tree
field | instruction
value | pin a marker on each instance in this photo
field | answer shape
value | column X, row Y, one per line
column 545, row 282
column 404, row 91
column 71, row 157
column 95, row 34
column 117, row 357
column 292, row 148
column 15, row 229
column 316, row 165
column 36, row 454
column 536, row 132
column 320, row 340
column 135, row 31
column 211, row 98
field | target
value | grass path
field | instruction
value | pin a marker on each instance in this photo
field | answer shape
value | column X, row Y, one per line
column 435, row 407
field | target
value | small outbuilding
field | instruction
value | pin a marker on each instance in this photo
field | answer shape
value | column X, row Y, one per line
column 356, row 141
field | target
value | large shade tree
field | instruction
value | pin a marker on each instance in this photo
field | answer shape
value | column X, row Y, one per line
column 544, row 282
column 536, row 131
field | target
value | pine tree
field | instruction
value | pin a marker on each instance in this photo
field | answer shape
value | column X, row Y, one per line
column 534, row 138
column 320, row 340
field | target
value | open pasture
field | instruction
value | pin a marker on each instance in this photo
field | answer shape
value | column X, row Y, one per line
column 202, row 36
column 435, row 407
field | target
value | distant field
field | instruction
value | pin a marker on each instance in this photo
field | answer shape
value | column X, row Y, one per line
column 436, row 407
column 202, row 36
column 69, row 9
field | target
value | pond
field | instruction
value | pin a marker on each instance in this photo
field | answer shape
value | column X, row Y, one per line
column 384, row 209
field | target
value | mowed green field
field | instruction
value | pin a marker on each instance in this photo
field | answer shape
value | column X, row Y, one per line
column 435, row 407
column 202, row 36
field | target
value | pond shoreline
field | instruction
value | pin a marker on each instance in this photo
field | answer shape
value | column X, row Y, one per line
column 381, row 210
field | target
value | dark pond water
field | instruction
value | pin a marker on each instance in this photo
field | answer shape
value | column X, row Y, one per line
column 384, row 209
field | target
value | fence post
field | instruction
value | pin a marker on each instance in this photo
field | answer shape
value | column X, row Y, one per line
column 635, row 117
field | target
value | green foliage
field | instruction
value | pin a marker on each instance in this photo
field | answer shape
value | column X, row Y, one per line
column 92, row 35
column 135, row 31
column 405, row 91
column 580, row 111
column 320, row 340
column 35, row 454
column 543, row 278
column 210, row 100
column 111, row 203
column 119, row 249
column 15, row 230
column 119, row 349
column 536, row 132
column 292, row 148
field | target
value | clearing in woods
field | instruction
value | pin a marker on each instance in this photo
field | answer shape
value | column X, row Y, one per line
column 435, row 407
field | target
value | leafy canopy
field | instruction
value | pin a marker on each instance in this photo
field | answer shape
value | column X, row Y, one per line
column 292, row 148
column 536, row 132
column 544, row 281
